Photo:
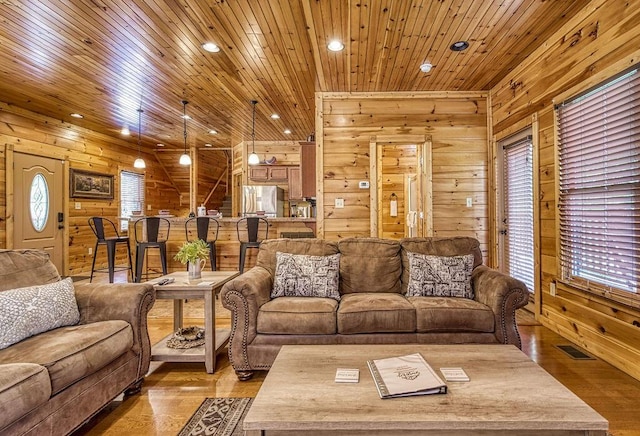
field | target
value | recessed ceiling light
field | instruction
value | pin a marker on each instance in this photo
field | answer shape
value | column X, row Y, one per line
column 125, row 130
column 287, row 131
column 335, row 45
column 160, row 144
column 208, row 145
column 210, row 47
column 75, row 115
column 426, row 67
column 213, row 132
column 459, row 46
column 186, row 117
column 275, row 116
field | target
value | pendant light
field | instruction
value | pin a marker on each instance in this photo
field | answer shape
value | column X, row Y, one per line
column 254, row 159
column 139, row 162
column 185, row 159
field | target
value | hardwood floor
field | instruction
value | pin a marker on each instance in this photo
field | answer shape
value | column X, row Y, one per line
column 172, row 391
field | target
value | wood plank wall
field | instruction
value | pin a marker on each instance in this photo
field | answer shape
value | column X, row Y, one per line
column 3, row 194
column 457, row 124
column 27, row 132
column 598, row 43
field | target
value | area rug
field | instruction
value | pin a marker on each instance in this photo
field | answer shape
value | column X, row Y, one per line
column 218, row 417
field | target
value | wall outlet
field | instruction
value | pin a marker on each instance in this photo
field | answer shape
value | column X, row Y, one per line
column 363, row 184
column 552, row 289
column 469, row 202
column 78, row 205
column 339, row 203
column 90, row 250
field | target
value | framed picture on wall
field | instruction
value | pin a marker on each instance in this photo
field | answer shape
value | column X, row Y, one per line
column 85, row 184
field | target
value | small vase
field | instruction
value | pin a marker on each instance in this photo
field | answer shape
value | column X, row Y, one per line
column 195, row 269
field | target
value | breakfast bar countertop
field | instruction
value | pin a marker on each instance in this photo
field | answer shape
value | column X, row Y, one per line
column 227, row 243
column 279, row 219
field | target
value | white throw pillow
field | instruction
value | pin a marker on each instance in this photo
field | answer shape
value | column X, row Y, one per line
column 36, row 309
column 440, row 276
column 299, row 275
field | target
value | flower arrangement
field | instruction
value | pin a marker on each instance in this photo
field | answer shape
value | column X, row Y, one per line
column 192, row 251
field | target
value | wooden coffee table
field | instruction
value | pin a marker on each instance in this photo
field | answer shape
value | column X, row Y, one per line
column 178, row 291
column 508, row 395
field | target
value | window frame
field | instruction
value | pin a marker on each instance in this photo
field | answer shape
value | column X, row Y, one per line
column 124, row 223
column 564, row 277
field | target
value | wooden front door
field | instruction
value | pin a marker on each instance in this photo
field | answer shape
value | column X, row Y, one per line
column 38, row 205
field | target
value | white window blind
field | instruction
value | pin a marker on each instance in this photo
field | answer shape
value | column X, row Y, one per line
column 518, row 210
column 131, row 195
column 599, row 199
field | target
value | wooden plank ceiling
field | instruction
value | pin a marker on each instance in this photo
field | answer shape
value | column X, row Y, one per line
column 105, row 58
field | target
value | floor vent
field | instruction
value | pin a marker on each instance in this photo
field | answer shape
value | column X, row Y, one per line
column 574, row 352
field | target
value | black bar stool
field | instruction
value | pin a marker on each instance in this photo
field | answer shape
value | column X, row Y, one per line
column 206, row 228
column 151, row 232
column 251, row 225
column 110, row 238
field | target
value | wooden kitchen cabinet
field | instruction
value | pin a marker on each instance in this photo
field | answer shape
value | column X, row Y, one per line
column 264, row 173
column 295, row 184
column 308, row 168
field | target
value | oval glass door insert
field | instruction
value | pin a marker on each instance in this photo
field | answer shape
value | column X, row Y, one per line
column 39, row 202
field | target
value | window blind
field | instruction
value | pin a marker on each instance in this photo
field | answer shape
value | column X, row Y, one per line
column 599, row 186
column 131, row 195
column 518, row 210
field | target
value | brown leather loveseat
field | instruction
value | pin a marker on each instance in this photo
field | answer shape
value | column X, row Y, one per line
column 53, row 381
column 374, row 302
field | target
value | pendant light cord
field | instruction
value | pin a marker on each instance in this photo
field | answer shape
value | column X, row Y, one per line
column 139, row 127
column 184, row 123
column 253, row 126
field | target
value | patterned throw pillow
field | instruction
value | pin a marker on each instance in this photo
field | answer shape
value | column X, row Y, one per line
column 300, row 275
column 439, row 276
column 36, row 309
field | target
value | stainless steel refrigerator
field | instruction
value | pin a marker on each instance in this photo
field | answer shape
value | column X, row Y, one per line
column 269, row 199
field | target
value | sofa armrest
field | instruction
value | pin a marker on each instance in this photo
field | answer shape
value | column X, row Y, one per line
column 129, row 302
column 243, row 296
column 503, row 294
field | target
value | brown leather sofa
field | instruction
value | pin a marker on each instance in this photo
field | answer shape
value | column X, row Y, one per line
column 53, row 382
column 373, row 308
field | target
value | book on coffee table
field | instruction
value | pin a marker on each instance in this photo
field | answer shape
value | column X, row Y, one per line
column 405, row 376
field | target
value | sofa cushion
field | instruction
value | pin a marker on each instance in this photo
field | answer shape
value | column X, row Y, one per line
column 448, row 314
column 36, row 309
column 375, row 313
column 23, row 387
column 369, row 265
column 312, row 247
column 440, row 276
column 298, row 315
column 72, row 353
column 20, row 268
column 455, row 246
column 299, row 275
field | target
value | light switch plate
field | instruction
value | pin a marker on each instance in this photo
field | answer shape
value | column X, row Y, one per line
column 78, row 205
column 469, row 202
column 339, row 203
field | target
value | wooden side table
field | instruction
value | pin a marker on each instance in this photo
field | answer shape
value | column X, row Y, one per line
column 178, row 291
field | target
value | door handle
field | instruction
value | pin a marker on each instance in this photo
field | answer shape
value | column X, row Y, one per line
column 60, row 220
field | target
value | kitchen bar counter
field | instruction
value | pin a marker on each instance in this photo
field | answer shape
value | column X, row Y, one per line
column 227, row 245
